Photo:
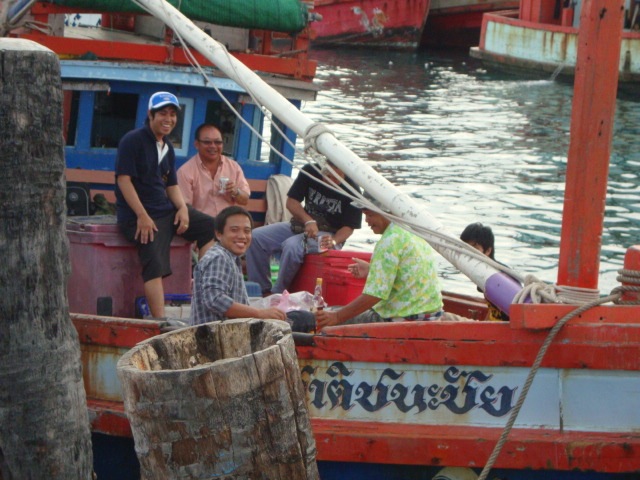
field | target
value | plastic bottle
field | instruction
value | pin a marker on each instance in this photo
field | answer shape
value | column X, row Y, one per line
column 318, row 301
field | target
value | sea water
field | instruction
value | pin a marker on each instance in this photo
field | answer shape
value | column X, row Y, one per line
column 476, row 146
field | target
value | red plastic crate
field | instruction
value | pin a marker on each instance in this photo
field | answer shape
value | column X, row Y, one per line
column 106, row 275
column 339, row 286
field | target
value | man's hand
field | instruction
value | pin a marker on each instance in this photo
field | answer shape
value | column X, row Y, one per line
column 145, row 228
column 271, row 313
column 311, row 229
column 360, row 269
column 326, row 318
column 230, row 189
column 182, row 220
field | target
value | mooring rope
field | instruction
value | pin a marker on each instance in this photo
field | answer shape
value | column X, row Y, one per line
column 632, row 279
column 628, row 276
column 311, row 135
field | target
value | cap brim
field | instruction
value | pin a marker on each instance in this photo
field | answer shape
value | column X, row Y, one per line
column 164, row 104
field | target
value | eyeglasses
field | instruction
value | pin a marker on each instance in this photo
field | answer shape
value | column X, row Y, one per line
column 208, row 143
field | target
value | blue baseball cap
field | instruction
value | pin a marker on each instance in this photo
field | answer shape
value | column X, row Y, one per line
column 162, row 99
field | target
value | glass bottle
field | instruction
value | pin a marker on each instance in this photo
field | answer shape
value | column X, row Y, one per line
column 318, row 301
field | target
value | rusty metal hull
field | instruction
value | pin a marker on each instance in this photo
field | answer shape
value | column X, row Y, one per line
column 541, row 49
column 457, row 23
column 395, row 24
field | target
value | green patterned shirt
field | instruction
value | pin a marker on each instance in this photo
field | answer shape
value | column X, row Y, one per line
column 403, row 275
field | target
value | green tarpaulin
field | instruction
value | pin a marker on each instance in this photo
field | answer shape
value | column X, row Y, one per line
column 277, row 15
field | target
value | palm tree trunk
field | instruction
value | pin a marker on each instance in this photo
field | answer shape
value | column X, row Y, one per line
column 44, row 427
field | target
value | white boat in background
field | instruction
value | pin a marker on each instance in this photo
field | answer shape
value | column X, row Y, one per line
column 542, row 39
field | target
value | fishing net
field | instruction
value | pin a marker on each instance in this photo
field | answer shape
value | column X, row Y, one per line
column 277, row 15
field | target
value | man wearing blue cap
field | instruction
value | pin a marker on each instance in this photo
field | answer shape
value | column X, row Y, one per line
column 150, row 207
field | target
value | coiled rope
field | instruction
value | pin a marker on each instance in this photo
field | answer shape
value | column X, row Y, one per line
column 311, row 135
column 630, row 277
column 546, row 292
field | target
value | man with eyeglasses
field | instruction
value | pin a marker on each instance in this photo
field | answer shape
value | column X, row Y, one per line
column 200, row 177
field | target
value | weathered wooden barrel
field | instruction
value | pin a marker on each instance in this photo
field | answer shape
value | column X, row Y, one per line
column 221, row 400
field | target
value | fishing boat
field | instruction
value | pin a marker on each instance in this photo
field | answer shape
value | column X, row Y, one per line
column 541, row 39
column 457, row 23
column 551, row 394
column 394, row 24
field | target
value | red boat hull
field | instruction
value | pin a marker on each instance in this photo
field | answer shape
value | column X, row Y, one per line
column 394, row 24
column 459, row 25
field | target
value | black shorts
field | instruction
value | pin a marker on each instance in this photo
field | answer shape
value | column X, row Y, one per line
column 155, row 256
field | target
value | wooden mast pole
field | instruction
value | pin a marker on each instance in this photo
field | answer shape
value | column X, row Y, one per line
column 594, row 103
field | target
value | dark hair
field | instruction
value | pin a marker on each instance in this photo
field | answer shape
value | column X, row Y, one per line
column 204, row 125
column 221, row 218
column 480, row 234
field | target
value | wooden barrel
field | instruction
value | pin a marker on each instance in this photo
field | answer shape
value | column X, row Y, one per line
column 220, row 400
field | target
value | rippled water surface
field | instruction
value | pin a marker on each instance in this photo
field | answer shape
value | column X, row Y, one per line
column 476, row 146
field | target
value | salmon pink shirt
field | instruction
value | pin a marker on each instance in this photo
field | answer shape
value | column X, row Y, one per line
column 200, row 190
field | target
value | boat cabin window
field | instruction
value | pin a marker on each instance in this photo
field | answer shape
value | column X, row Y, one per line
column 220, row 114
column 277, row 140
column 273, row 130
column 70, row 123
column 180, row 135
column 114, row 114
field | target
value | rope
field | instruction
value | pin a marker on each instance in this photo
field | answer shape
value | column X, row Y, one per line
column 576, row 295
column 17, row 9
column 312, row 133
column 627, row 276
column 532, row 373
column 536, row 291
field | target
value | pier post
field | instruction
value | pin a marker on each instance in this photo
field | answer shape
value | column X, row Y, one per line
column 44, row 425
column 219, row 400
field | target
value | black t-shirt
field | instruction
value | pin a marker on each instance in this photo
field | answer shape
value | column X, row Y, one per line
column 321, row 201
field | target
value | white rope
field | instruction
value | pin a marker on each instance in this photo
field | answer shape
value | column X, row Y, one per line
column 312, row 133
column 536, row 291
column 576, row 295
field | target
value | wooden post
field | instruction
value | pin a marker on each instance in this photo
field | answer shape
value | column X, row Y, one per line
column 220, row 400
column 44, row 425
column 594, row 106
